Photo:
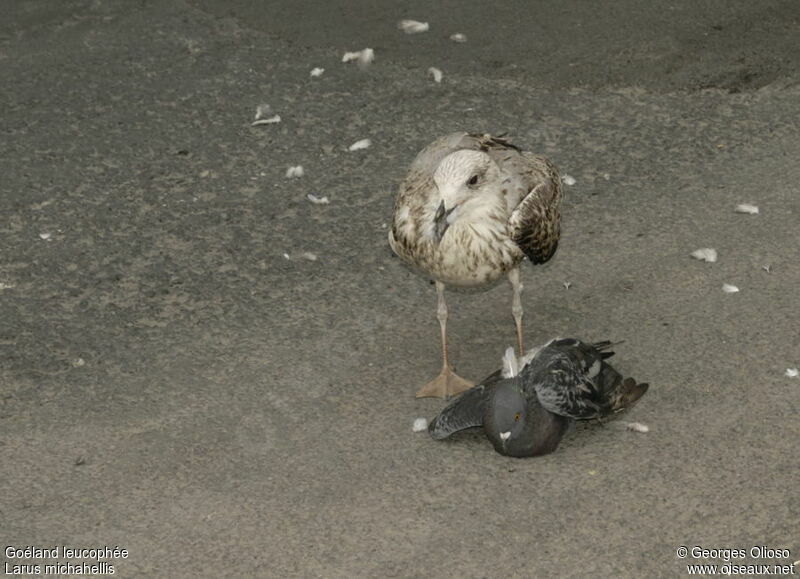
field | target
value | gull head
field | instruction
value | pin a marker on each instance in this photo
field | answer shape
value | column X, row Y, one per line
column 465, row 181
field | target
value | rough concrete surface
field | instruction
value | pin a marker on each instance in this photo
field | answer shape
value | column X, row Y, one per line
column 172, row 384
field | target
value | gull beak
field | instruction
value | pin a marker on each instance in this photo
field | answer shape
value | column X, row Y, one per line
column 504, row 435
column 440, row 221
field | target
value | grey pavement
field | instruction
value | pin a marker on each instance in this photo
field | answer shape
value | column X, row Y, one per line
column 172, row 384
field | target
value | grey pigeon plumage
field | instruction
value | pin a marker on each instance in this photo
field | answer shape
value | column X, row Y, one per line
column 500, row 406
column 526, row 412
column 573, row 379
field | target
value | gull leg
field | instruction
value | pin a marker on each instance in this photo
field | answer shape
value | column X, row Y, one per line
column 516, row 305
column 447, row 383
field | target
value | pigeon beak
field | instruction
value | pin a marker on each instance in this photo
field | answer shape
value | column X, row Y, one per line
column 440, row 221
column 504, row 435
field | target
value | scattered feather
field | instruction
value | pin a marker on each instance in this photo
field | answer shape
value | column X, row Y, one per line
column 286, row 256
column 384, row 225
column 4, row 285
column 767, row 268
column 435, row 73
column 637, row 427
column 263, row 111
column 566, row 284
column 729, row 289
column 792, row 372
column 45, row 236
column 358, row 145
column 420, row 425
column 78, row 362
column 315, row 72
column 413, row 26
column 510, row 363
column 568, row 180
column 265, row 115
column 296, row 171
column 746, row 208
column 708, row 254
column 317, row 200
column 268, row 121
column 309, row 256
column 607, row 176
column 363, row 58
column 458, row 37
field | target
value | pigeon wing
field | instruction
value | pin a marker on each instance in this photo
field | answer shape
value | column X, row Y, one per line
column 466, row 411
column 572, row 379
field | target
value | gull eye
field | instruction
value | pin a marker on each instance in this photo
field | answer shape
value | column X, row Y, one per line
column 473, row 180
column 517, row 417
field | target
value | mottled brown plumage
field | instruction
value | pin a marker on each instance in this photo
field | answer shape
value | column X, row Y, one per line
column 469, row 210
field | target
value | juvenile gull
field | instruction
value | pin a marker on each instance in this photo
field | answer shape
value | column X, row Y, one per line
column 526, row 411
column 470, row 209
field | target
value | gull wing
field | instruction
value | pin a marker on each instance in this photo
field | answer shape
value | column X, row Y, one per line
column 535, row 223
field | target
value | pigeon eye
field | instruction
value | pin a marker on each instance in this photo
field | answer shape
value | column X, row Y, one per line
column 517, row 417
column 473, row 180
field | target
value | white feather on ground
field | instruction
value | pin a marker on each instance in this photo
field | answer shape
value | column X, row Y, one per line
column 729, row 289
column 296, row 171
column 420, row 425
column 746, row 208
column 435, row 73
column 363, row 58
column 637, row 427
column 568, row 180
column 269, row 121
column 45, row 236
column 792, row 372
column 309, row 256
column 358, row 145
column 265, row 116
column 458, row 37
column 708, row 254
column 315, row 72
column 318, row 200
column 413, row 26
column 263, row 110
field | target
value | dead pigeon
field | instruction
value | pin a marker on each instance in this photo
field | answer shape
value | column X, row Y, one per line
column 526, row 412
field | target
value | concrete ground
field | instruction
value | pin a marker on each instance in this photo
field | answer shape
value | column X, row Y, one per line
column 172, row 384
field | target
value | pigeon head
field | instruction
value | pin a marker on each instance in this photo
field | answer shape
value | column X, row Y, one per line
column 518, row 426
column 506, row 413
column 464, row 180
